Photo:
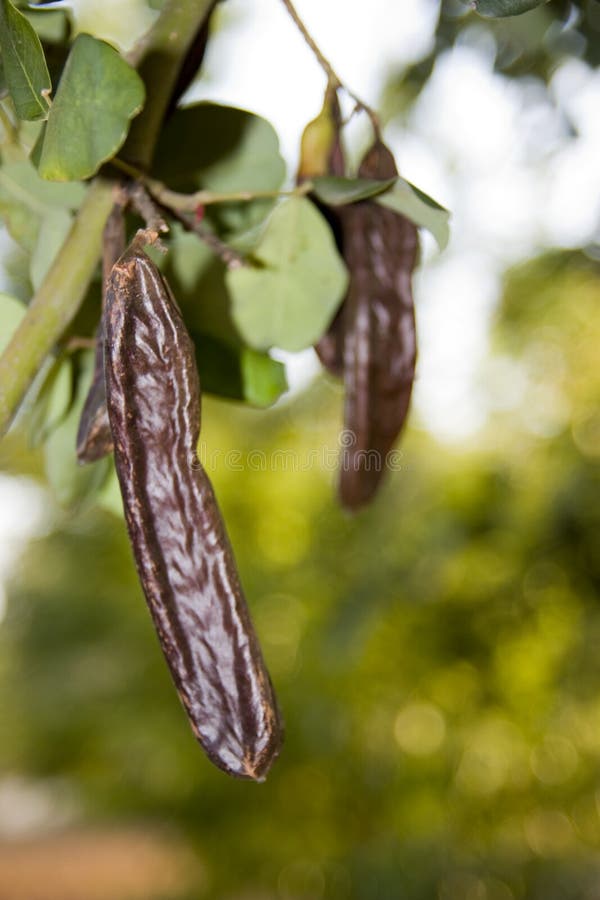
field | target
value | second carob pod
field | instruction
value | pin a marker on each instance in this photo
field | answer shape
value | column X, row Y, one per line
column 378, row 332
column 371, row 342
column 181, row 549
column 94, row 438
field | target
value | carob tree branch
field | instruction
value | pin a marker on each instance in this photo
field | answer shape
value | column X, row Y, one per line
column 158, row 58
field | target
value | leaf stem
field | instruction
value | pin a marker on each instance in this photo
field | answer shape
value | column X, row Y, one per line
column 176, row 201
column 333, row 78
column 230, row 257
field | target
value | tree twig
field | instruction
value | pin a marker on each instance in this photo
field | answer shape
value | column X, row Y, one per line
column 147, row 209
column 176, row 201
column 231, row 257
column 333, row 78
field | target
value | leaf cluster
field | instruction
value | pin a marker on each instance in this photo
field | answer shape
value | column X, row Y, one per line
column 60, row 132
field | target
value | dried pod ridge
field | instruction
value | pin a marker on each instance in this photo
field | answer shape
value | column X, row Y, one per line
column 379, row 336
column 181, row 549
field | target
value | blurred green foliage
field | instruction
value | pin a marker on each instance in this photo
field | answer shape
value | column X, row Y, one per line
column 436, row 656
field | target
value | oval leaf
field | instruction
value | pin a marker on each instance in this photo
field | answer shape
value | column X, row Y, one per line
column 263, row 378
column 26, row 200
column 290, row 296
column 242, row 154
column 52, row 401
column 237, row 372
column 336, row 190
column 421, row 209
column 500, row 8
column 25, row 69
column 97, row 96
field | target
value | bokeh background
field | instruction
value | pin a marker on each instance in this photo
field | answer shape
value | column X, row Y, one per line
column 436, row 656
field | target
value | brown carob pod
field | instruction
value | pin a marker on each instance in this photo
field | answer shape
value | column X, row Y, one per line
column 379, row 337
column 181, row 549
column 371, row 342
column 94, row 438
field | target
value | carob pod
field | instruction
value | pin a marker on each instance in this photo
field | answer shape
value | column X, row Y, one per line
column 379, row 336
column 181, row 549
column 371, row 342
column 94, row 437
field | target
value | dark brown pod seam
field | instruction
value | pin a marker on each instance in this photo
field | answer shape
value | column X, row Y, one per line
column 183, row 556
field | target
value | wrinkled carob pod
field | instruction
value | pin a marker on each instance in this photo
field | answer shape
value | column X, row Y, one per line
column 181, row 549
column 379, row 337
column 371, row 342
column 94, row 437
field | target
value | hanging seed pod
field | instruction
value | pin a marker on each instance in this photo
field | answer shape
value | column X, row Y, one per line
column 320, row 147
column 94, row 438
column 371, row 342
column 181, row 549
column 379, row 337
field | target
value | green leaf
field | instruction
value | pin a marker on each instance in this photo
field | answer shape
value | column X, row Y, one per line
column 218, row 366
column 220, row 148
column 337, row 190
column 227, row 368
column 11, row 313
column 500, row 8
column 421, row 209
column 97, row 96
column 225, row 149
column 26, row 200
column 52, row 401
column 51, row 235
column 263, row 377
column 237, row 372
column 71, row 483
column 197, row 278
column 109, row 496
column 290, row 295
column 24, row 64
